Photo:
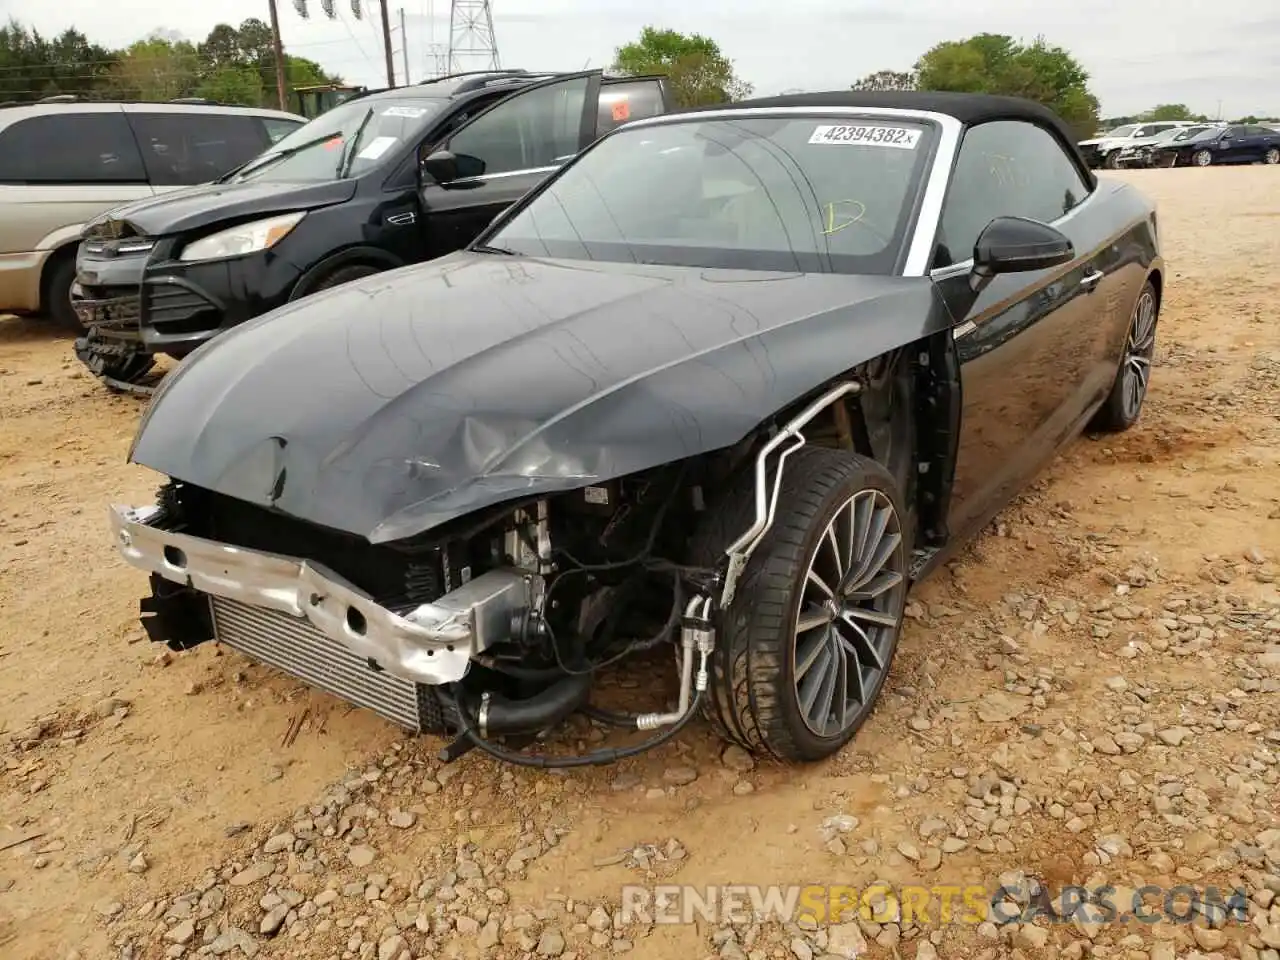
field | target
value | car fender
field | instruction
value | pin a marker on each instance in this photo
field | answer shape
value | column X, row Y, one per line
column 361, row 253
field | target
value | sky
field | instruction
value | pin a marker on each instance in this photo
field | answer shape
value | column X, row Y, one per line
column 1213, row 55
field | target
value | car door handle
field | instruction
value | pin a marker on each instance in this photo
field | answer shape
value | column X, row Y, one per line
column 1091, row 280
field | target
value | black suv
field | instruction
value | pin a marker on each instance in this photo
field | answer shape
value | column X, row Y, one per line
column 383, row 180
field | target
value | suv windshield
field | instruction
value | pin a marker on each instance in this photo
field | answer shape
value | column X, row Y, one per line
column 754, row 193
column 344, row 141
column 1123, row 131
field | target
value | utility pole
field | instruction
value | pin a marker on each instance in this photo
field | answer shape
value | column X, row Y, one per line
column 404, row 47
column 386, row 43
column 279, row 49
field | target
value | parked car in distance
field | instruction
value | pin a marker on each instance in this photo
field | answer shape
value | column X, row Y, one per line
column 64, row 161
column 381, row 180
column 1238, row 143
column 1103, row 151
column 730, row 380
column 1141, row 152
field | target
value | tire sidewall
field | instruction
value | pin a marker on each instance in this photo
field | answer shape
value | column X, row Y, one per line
column 57, row 294
column 867, row 475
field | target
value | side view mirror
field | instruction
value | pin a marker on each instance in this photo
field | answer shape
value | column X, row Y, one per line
column 1018, row 245
column 442, row 165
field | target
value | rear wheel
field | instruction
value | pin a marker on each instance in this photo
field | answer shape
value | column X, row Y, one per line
column 56, row 296
column 805, row 647
column 1123, row 405
column 1272, row 156
column 1202, row 158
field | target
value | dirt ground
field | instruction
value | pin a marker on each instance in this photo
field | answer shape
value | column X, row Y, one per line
column 1089, row 695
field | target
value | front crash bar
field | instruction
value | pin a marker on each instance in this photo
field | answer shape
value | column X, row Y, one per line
column 740, row 550
column 431, row 644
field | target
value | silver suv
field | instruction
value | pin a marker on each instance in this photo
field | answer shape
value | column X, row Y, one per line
column 64, row 161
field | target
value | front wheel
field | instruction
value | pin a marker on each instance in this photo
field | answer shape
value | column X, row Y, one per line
column 804, row 648
column 1202, row 158
column 1272, row 156
column 1112, row 161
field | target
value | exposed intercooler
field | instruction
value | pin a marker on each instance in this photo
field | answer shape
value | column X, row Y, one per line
column 295, row 647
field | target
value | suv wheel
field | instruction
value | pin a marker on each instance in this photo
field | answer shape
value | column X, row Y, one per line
column 56, row 296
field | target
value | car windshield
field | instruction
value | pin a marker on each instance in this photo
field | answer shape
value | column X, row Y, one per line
column 1123, row 131
column 805, row 194
column 343, row 142
column 1187, row 133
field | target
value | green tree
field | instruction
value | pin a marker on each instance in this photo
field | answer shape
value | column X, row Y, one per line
column 233, row 84
column 1170, row 111
column 156, row 70
column 696, row 70
column 240, row 66
column 886, row 80
column 33, row 66
column 994, row 63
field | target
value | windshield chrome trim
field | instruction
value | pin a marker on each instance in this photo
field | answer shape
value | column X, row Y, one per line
column 925, row 229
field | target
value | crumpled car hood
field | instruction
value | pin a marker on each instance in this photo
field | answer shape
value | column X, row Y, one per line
column 393, row 404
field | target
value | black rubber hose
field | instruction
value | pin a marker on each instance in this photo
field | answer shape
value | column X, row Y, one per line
column 529, row 715
column 610, row 717
column 596, row 758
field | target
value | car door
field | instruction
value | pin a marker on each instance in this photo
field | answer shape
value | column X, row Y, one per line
column 1260, row 140
column 503, row 153
column 1231, row 146
column 1034, row 347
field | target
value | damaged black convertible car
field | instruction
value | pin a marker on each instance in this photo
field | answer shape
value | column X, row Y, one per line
column 729, row 382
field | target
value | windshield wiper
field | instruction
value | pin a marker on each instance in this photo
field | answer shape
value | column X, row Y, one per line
column 489, row 248
column 272, row 158
column 349, row 151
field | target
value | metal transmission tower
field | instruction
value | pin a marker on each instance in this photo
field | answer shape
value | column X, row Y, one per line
column 472, row 45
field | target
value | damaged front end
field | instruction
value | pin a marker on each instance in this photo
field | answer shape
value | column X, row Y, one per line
column 481, row 631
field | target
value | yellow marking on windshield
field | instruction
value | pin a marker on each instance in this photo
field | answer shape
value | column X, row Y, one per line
column 830, row 218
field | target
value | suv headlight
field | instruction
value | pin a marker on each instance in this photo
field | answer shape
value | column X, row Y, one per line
column 246, row 238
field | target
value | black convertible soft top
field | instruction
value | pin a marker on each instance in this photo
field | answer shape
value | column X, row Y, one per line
column 969, row 108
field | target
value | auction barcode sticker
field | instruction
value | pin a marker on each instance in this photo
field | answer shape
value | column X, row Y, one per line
column 874, row 135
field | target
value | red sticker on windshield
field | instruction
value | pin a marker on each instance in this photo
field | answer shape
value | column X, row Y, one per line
column 621, row 110
column 333, row 144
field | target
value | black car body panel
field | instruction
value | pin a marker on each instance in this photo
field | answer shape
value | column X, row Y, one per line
column 381, row 217
column 216, row 204
column 478, row 378
column 378, row 488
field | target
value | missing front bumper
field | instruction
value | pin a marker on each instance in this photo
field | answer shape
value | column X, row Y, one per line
column 430, row 644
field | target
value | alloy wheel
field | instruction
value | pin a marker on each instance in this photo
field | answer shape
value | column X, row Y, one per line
column 1273, row 155
column 1138, row 354
column 849, row 613
column 1202, row 158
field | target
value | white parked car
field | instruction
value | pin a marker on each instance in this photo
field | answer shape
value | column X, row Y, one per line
column 1103, row 151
